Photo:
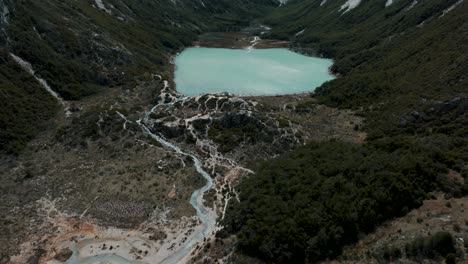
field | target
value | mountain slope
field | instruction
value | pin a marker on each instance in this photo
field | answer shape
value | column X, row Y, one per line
column 402, row 58
column 403, row 66
column 82, row 47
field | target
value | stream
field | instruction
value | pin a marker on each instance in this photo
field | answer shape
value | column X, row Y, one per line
column 206, row 216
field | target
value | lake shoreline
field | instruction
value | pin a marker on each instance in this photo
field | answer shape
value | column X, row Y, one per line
column 237, row 40
column 245, row 41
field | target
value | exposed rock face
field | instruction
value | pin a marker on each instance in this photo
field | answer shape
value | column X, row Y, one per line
column 457, row 102
column 454, row 108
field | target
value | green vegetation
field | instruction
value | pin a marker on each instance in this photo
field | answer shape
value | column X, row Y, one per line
column 234, row 128
column 441, row 244
column 403, row 70
column 81, row 50
column 228, row 134
column 408, row 80
column 387, row 61
column 23, row 105
column 306, row 205
column 71, row 78
column 77, row 47
column 437, row 247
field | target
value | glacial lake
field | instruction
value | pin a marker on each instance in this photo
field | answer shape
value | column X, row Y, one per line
column 248, row 72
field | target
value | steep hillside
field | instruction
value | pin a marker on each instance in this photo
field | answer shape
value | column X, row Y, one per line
column 82, row 47
column 23, row 103
column 403, row 66
column 398, row 63
column 385, row 46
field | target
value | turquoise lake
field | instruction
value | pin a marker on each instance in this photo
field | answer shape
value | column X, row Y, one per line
column 248, row 72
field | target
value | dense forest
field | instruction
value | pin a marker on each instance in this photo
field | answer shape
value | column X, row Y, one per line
column 405, row 72
column 306, row 205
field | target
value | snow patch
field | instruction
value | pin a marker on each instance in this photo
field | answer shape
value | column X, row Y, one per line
column 424, row 22
column 282, row 2
column 451, row 8
column 388, row 3
column 415, row 2
column 101, row 6
column 350, row 4
column 323, row 2
column 299, row 33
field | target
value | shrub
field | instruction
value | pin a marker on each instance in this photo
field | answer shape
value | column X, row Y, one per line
column 438, row 245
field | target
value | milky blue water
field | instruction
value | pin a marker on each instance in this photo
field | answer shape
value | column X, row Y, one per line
column 248, row 72
column 208, row 220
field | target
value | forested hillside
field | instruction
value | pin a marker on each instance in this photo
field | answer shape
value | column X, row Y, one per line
column 23, row 104
column 404, row 68
column 306, row 205
column 82, row 47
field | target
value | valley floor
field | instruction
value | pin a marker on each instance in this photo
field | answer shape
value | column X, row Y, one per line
column 94, row 179
column 97, row 176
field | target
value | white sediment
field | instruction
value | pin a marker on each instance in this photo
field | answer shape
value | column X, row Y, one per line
column 349, row 5
column 446, row 11
column 254, row 42
column 28, row 68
